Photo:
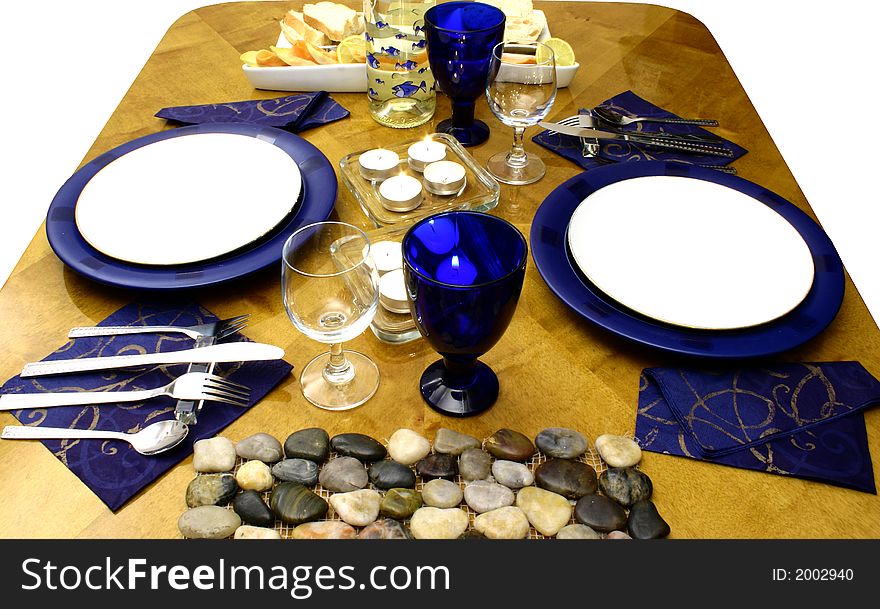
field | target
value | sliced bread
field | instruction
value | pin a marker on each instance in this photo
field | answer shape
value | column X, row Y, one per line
column 336, row 21
column 294, row 28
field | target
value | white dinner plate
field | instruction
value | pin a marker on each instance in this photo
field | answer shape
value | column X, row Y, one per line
column 690, row 252
column 188, row 199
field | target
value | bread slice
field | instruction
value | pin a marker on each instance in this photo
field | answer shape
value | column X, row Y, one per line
column 525, row 29
column 294, row 28
column 337, row 21
column 513, row 8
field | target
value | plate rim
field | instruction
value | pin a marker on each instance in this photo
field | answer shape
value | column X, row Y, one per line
column 803, row 323
column 318, row 200
column 581, row 209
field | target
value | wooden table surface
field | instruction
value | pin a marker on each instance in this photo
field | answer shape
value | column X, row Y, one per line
column 555, row 369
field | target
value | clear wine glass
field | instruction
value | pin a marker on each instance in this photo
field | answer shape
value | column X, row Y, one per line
column 329, row 286
column 521, row 90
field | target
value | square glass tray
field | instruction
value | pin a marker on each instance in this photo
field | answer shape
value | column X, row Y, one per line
column 480, row 192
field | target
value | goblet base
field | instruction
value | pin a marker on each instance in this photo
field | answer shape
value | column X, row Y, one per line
column 531, row 172
column 364, row 380
column 475, row 134
column 459, row 400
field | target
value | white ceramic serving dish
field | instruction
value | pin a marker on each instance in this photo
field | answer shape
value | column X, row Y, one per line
column 342, row 78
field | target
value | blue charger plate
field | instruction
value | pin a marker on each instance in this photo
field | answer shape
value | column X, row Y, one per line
column 549, row 241
column 316, row 204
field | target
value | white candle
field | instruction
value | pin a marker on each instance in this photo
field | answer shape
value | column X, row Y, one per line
column 400, row 193
column 388, row 255
column 444, row 177
column 424, row 153
column 378, row 164
column 392, row 292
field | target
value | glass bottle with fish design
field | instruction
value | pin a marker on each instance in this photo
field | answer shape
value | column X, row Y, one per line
column 401, row 88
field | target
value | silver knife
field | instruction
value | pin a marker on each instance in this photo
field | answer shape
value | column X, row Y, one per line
column 228, row 352
column 589, row 121
column 659, row 142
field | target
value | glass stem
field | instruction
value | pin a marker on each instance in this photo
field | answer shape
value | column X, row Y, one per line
column 517, row 157
column 338, row 370
column 462, row 114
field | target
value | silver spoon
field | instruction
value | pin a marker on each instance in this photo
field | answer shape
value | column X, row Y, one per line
column 617, row 118
column 151, row 440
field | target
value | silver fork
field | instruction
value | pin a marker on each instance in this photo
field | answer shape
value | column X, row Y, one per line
column 218, row 329
column 190, row 386
column 617, row 118
column 590, row 149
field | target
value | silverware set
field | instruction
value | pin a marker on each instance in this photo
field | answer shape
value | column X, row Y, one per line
column 602, row 124
column 193, row 387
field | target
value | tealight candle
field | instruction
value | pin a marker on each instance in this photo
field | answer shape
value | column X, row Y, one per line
column 378, row 164
column 392, row 292
column 444, row 177
column 424, row 153
column 400, row 193
column 456, row 270
column 387, row 255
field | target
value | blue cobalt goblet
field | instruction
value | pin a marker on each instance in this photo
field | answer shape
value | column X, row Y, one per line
column 460, row 37
column 464, row 273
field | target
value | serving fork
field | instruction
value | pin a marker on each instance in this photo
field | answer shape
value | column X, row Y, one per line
column 190, row 386
column 218, row 330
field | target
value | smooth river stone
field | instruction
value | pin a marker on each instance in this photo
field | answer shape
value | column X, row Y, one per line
column 343, row 474
column 438, row 465
column 474, row 464
column 600, row 513
column 617, row 535
column 485, row 496
column 312, row 444
column 509, row 444
column 391, row 474
column 249, row 505
column 211, row 489
column 504, row 523
column 577, row 531
column 208, row 522
column 293, row 503
column 452, row 442
column 296, row 470
column 214, row 455
column 359, row 446
column 406, row 446
column 441, row 493
column 436, row 523
column 247, row 531
column 512, row 474
column 645, row 522
column 400, row 503
column 254, row 476
column 561, row 443
column 260, row 446
column 548, row 512
column 387, row 528
column 625, row 485
column 325, row 529
column 571, row 479
column 357, row 508
column 618, row 451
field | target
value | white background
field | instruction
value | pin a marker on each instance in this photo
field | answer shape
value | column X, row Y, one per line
column 805, row 65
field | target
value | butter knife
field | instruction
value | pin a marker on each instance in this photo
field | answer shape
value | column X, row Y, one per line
column 659, row 142
column 228, row 352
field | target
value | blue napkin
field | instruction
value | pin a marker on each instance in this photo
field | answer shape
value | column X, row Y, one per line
column 111, row 468
column 802, row 420
column 295, row 113
column 628, row 102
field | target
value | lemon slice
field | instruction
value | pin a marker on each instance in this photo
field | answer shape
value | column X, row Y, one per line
column 352, row 49
column 250, row 58
column 321, row 56
column 561, row 49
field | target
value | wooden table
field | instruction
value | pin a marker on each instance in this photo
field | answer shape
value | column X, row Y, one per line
column 555, row 369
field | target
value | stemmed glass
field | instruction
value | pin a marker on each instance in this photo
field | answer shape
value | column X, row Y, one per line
column 329, row 286
column 460, row 37
column 464, row 273
column 521, row 90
